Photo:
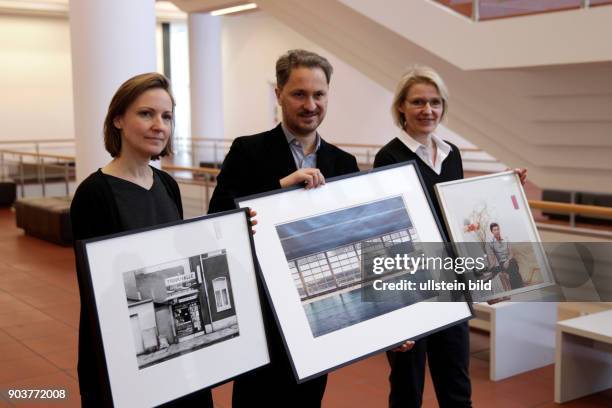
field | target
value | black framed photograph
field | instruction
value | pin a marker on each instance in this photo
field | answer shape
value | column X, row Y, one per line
column 176, row 306
column 488, row 217
column 315, row 249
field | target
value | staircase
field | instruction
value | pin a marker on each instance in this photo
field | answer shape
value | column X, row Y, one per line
column 533, row 91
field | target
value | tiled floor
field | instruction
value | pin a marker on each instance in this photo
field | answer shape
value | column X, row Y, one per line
column 39, row 309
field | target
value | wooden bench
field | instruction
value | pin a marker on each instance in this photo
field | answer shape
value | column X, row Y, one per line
column 46, row 218
column 8, row 193
column 583, row 360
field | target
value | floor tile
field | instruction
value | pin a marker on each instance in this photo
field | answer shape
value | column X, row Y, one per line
column 25, row 368
column 66, row 313
column 52, row 343
column 14, row 350
column 65, row 359
column 21, row 316
column 26, row 331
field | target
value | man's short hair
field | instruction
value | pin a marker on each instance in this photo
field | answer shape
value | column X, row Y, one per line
column 493, row 225
column 300, row 58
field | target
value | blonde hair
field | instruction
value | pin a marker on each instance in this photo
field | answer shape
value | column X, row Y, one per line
column 417, row 74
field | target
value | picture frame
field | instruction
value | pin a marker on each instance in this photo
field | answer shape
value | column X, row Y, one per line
column 489, row 216
column 174, row 308
column 306, row 235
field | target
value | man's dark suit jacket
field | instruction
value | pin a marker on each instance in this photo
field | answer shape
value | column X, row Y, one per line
column 255, row 164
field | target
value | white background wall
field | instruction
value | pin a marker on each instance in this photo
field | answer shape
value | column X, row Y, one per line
column 358, row 107
column 35, row 79
column 36, row 82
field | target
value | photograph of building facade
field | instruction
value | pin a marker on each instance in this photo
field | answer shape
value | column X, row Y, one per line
column 180, row 306
column 326, row 255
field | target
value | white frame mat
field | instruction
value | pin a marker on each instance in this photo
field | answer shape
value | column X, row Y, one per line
column 312, row 356
column 106, row 260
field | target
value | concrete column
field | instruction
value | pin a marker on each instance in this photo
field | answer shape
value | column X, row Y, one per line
column 111, row 41
column 206, row 82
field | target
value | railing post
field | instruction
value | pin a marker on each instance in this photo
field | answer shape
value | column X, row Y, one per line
column 42, row 175
column 2, row 166
column 585, row 3
column 66, row 178
column 215, row 160
column 193, row 152
column 37, row 150
column 368, row 157
column 476, row 10
column 572, row 216
column 207, row 181
column 21, row 177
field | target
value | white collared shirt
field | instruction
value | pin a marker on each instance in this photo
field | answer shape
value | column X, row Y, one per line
column 424, row 152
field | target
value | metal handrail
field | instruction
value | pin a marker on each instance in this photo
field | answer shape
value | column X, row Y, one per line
column 565, row 208
column 36, row 141
column 472, row 9
column 41, row 165
column 339, row 144
column 199, row 170
column 552, row 206
column 38, row 155
column 364, row 152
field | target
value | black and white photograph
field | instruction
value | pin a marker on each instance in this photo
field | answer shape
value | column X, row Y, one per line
column 310, row 244
column 175, row 308
column 179, row 307
column 325, row 254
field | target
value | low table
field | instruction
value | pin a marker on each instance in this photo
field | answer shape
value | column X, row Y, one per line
column 583, row 361
column 522, row 335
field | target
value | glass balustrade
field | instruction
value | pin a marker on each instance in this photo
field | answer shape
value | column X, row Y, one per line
column 480, row 10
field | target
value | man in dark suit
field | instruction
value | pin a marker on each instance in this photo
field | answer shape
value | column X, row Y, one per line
column 292, row 153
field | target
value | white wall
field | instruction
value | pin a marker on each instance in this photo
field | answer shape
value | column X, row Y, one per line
column 358, row 107
column 36, row 80
column 563, row 37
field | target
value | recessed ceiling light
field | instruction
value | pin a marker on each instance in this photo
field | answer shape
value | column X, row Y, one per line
column 235, row 9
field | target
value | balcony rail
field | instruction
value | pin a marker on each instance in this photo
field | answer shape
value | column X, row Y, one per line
column 211, row 152
column 481, row 10
column 42, row 168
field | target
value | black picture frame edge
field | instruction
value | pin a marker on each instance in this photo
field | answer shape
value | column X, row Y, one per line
column 383, row 349
column 84, row 276
column 84, row 273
